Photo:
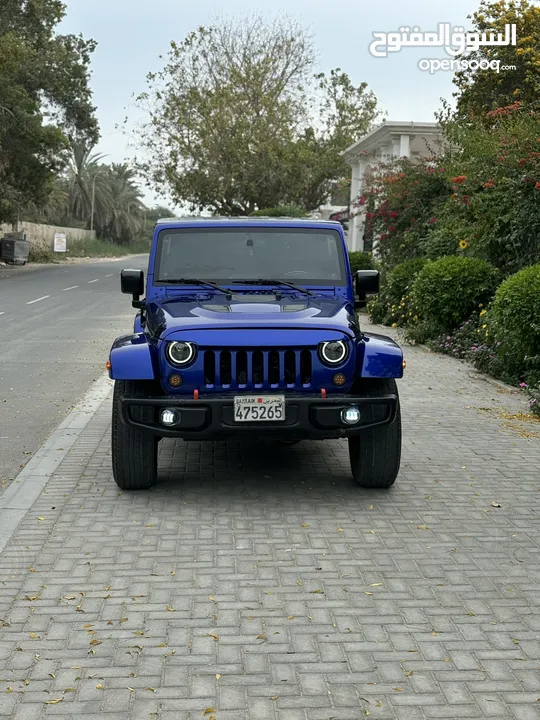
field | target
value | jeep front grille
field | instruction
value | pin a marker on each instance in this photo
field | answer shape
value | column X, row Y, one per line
column 258, row 368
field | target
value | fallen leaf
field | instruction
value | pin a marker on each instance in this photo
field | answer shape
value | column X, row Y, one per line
column 42, row 518
column 398, row 689
column 123, row 620
column 275, row 697
column 69, row 597
column 34, row 636
column 375, row 584
column 409, row 673
column 209, row 711
column 54, row 701
column 99, row 686
column 495, row 504
column 170, row 609
column 434, row 633
column 317, row 592
column 130, row 688
column 290, row 617
column 422, row 527
column 372, row 532
column 27, row 682
column 9, row 689
column 68, row 690
column 306, row 525
column 88, row 625
column 261, row 637
column 32, row 597
column 515, row 641
column 162, row 645
column 211, row 598
column 52, row 675
column 151, row 689
column 367, row 593
column 299, row 582
column 340, row 529
column 218, row 676
column 213, row 635
column 472, row 614
column 95, row 641
column 378, row 703
column 447, row 660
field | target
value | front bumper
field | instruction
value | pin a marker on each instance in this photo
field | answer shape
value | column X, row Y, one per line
column 306, row 416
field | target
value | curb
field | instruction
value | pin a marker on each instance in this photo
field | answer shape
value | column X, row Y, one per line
column 30, row 482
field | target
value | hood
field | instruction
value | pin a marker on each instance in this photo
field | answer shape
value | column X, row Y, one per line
column 251, row 311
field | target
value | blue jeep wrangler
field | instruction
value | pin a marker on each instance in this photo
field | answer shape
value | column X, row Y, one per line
column 248, row 328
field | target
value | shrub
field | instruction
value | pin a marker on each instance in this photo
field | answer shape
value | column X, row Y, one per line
column 514, row 321
column 360, row 261
column 446, row 292
column 392, row 304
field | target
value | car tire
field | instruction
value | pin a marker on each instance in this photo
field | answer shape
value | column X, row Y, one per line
column 134, row 452
column 375, row 453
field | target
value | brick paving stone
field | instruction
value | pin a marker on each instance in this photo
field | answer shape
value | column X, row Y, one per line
column 202, row 592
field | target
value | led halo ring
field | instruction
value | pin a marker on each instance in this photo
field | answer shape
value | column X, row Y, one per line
column 183, row 363
column 328, row 361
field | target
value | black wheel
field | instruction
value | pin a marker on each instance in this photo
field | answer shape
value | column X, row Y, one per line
column 375, row 453
column 134, row 453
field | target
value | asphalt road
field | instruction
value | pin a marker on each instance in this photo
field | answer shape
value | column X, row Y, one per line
column 57, row 324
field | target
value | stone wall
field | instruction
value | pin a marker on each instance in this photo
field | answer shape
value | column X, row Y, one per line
column 41, row 237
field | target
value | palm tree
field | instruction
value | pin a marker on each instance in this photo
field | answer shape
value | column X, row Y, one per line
column 125, row 209
column 86, row 173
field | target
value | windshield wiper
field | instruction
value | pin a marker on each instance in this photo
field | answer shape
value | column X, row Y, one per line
column 264, row 281
column 196, row 281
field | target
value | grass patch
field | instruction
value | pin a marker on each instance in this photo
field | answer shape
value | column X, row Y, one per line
column 90, row 248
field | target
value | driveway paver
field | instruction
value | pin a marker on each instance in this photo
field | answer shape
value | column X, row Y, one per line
column 262, row 582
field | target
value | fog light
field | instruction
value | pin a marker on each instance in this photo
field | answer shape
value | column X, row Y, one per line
column 350, row 415
column 175, row 380
column 169, row 417
column 339, row 379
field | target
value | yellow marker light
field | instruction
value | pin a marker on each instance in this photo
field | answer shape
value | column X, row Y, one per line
column 339, row 379
column 108, row 365
column 175, row 380
column 404, row 364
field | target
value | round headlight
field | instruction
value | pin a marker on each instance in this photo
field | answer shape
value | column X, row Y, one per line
column 334, row 352
column 180, row 353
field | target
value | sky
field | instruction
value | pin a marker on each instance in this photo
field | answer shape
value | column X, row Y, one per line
column 132, row 34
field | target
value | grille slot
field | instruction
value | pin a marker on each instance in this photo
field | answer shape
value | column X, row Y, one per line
column 266, row 368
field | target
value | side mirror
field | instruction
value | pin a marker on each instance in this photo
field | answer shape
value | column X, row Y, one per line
column 367, row 282
column 132, row 283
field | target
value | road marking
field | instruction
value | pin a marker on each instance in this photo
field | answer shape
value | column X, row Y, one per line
column 2, row 313
column 110, row 275
column 91, row 281
column 38, row 300
column 70, row 288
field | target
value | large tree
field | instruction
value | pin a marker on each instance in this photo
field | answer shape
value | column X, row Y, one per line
column 480, row 91
column 44, row 99
column 237, row 120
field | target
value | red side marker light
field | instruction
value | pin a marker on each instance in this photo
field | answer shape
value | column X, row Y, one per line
column 323, row 392
column 195, row 394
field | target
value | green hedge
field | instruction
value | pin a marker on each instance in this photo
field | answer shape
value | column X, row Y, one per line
column 392, row 305
column 360, row 261
column 514, row 323
column 448, row 291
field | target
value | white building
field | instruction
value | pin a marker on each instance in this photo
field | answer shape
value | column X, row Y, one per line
column 383, row 143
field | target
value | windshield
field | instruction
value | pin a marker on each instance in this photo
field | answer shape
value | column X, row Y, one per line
column 299, row 255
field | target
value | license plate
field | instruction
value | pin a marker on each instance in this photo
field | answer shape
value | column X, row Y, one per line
column 259, row 408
